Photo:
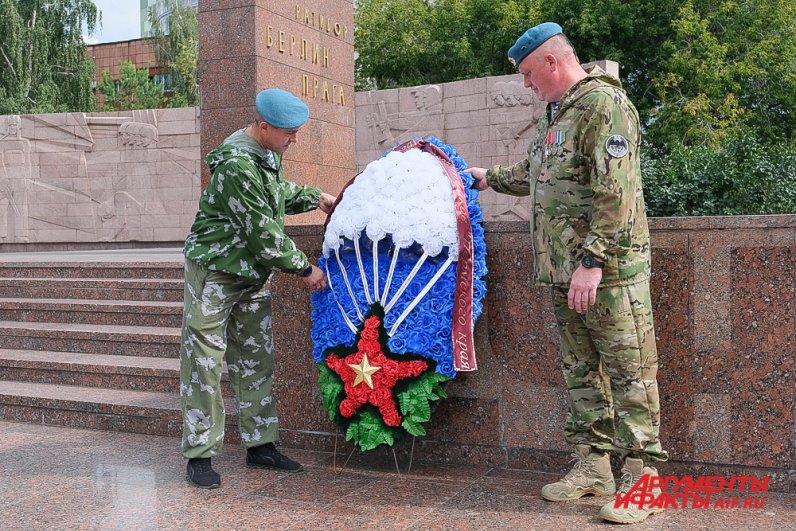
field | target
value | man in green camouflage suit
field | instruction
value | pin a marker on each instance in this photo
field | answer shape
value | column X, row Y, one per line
column 591, row 246
column 237, row 242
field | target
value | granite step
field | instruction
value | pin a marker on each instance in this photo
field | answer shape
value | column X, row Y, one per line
column 93, row 288
column 145, row 341
column 161, row 375
column 95, row 408
column 117, row 270
column 129, row 313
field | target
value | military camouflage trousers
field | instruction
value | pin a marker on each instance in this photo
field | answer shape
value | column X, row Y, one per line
column 225, row 317
column 610, row 362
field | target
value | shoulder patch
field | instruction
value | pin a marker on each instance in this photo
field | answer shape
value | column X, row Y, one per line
column 616, row 146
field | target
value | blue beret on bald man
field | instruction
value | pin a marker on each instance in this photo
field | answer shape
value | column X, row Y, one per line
column 531, row 40
column 281, row 109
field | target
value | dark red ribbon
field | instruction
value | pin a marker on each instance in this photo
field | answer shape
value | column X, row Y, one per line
column 462, row 333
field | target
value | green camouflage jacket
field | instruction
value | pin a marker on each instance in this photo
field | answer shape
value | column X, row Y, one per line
column 583, row 173
column 240, row 226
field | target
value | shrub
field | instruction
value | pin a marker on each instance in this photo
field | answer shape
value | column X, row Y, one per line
column 744, row 176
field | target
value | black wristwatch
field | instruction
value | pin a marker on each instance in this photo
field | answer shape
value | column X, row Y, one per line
column 307, row 272
column 589, row 261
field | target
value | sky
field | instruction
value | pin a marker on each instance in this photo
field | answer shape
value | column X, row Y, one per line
column 121, row 21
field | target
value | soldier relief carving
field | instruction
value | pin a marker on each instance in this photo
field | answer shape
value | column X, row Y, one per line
column 138, row 135
column 14, row 180
column 392, row 128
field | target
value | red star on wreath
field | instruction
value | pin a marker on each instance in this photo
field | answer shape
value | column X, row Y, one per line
column 369, row 376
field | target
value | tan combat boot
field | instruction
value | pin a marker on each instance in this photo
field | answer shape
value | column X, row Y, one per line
column 590, row 475
column 632, row 514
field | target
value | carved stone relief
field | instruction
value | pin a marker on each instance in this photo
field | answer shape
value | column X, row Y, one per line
column 98, row 177
column 511, row 94
column 491, row 121
column 135, row 175
column 14, row 180
column 418, row 112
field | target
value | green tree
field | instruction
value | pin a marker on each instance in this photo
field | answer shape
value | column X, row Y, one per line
column 134, row 90
column 695, row 69
column 630, row 32
column 414, row 42
column 43, row 63
column 177, row 51
column 728, row 65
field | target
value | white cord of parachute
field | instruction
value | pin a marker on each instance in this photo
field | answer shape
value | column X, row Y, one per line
column 388, row 306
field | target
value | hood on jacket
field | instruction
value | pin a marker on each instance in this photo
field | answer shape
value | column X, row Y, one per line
column 588, row 84
column 238, row 144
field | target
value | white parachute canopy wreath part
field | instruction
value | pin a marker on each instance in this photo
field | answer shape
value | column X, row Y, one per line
column 405, row 195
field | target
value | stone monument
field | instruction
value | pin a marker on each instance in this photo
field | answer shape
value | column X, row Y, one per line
column 304, row 46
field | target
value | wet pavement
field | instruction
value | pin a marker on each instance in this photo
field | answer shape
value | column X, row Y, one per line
column 65, row 478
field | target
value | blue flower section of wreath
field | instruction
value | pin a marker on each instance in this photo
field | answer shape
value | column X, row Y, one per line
column 426, row 331
column 329, row 329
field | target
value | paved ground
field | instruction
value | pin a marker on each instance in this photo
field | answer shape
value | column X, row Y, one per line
column 64, row 478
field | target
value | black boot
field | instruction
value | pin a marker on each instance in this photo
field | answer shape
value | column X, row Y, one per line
column 267, row 456
column 202, row 475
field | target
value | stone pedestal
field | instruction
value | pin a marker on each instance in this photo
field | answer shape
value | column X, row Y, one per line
column 306, row 47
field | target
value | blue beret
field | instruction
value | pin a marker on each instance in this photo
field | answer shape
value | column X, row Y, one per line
column 281, row 109
column 531, row 40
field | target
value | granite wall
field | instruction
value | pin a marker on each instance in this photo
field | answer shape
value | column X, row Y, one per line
column 724, row 295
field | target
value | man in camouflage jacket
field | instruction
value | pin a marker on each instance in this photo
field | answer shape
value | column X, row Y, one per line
column 591, row 246
column 237, row 242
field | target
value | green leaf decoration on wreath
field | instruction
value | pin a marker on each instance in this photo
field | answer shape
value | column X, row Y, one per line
column 415, row 401
column 368, row 431
column 331, row 388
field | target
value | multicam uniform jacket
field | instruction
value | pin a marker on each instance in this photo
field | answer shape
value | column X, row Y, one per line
column 239, row 228
column 583, row 174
